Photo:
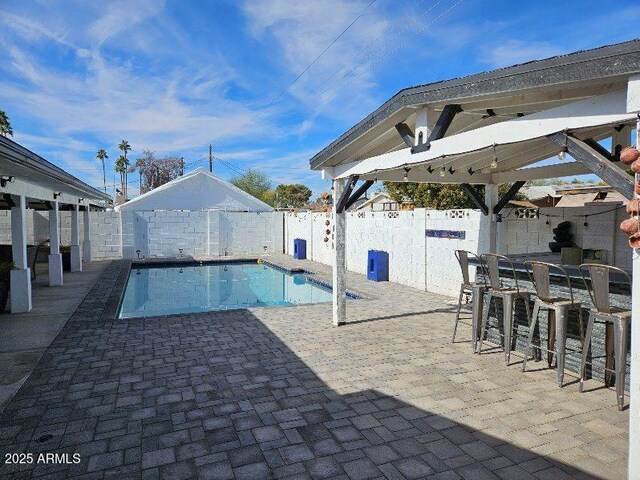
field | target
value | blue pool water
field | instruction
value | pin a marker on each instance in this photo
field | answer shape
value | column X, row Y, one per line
column 165, row 290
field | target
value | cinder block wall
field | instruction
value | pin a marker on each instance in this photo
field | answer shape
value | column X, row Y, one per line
column 414, row 260
column 428, row 262
column 527, row 235
column 201, row 234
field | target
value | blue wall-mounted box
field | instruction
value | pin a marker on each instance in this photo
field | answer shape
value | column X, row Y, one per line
column 299, row 249
column 378, row 266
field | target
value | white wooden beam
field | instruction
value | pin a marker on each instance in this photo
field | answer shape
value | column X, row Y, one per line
column 537, row 173
column 21, row 274
column 55, row 258
column 76, row 254
column 86, row 242
column 21, row 188
column 339, row 259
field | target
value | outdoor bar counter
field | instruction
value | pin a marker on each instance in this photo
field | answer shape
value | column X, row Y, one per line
column 601, row 354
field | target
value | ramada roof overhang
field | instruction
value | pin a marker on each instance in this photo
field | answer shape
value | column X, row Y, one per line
column 452, row 131
column 25, row 173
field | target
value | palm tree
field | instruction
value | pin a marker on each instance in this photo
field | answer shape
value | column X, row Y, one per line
column 5, row 125
column 125, row 147
column 102, row 156
column 120, row 166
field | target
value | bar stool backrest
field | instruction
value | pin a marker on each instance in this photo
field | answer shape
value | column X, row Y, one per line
column 492, row 263
column 463, row 259
column 540, row 274
column 599, row 286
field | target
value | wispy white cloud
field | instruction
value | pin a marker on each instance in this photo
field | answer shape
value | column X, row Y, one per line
column 511, row 52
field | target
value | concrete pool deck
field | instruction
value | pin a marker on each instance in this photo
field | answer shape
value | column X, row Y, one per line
column 281, row 393
column 26, row 336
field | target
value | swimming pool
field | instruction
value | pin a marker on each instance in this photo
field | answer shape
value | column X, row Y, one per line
column 164, row 290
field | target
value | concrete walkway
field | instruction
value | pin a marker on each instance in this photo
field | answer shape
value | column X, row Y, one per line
column 280, row 393
column 24, row 337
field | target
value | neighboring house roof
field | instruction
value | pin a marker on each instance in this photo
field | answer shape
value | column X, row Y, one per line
column 377, row 198
column 536, row 192
column 196, row 190
column 41, row 177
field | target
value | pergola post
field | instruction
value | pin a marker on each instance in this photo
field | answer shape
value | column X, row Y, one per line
column 633, row 105
column 21, row 274
column 489, row 221
column 86, row 242
column 55, row 259
column 634, row 380
column 424, row 125
column 339, row 259
column 76, row 256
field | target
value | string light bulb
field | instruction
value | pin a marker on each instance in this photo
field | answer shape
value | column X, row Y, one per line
column 562, row 153
column 443, row 171
column 494, row 162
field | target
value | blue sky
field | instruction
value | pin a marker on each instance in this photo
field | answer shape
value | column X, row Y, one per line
column 174, row 76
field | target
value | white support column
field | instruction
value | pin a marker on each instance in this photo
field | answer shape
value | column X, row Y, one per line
column 424, row 124
column 76, row 256
column 634, row 380
column 339, row 259
column 86, row 242
column 488, row 223
column 633, row 105
column 21, row 274
column 55, row 259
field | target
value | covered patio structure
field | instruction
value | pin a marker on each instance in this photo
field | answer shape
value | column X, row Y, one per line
column 493, row 128
column 28, row 181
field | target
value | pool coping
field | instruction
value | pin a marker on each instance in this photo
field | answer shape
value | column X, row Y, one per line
column 123, row 278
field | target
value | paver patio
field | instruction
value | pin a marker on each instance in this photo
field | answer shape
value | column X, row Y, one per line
column 280, row 393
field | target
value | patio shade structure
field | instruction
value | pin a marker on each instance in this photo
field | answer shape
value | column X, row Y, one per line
column 29, row 181
column 491, row 128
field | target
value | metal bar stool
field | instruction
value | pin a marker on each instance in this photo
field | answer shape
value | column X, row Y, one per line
column 508, row 295
column 474, row 289
column 558, row 308
column 604, row 312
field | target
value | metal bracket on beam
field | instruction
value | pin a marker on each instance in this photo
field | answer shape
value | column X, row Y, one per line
column 406, row 134
column 475, row 197
column 358, row 193
column 7, row 198
column 440, row 128
column 597, row 163
column 344, row 198
column 507, row 196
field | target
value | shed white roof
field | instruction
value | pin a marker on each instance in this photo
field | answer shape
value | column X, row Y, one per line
column 196, row 190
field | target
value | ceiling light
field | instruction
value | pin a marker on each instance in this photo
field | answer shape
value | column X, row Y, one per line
column 562, row 153
column 443, row 171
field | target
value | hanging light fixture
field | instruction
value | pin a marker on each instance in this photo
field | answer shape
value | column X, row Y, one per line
column 563, row 151
column 443, row 171
column 406, row 174
column 494, row 162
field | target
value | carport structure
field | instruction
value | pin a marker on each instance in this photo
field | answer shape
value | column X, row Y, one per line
column 29, row 181
column 489, row 129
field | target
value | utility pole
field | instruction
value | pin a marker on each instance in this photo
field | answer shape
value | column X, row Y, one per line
column 210, row 160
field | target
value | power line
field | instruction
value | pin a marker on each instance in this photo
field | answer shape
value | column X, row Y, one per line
column 380, row 58
column 295, row 80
